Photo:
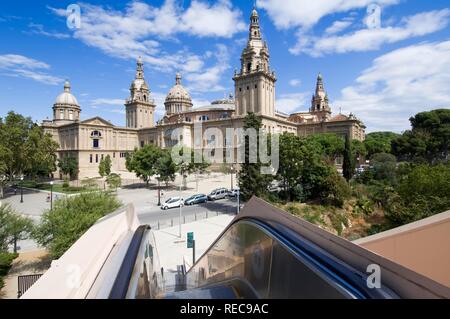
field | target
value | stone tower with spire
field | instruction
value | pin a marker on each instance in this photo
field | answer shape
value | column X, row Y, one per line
column 255, row 82
column 140, row 107
column 319, row 103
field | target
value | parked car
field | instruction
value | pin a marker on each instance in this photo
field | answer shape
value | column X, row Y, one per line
column 172, row 202
column 274, row 187
column 233, row 192
column 196, row 199
column 218, row 193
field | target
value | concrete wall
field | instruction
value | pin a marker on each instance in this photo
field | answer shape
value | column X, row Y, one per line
column 423, row 246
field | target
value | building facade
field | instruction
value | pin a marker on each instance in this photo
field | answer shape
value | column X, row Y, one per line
column 93, row 139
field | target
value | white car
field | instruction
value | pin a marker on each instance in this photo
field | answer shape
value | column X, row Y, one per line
column 219, row 193
column 172, row 202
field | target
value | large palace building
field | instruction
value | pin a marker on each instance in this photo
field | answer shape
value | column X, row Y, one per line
column 92, row 139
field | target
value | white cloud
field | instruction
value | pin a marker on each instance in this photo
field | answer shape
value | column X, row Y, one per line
column 208, row 80
column 338, row 26
column 372, row 39
column 295, row 82
column 306, row 13
column 21, row 66
column 400, row 84
column 137, row 31
column 39, row 29
column 292, row 102
column 103, row 101
column 219, row 20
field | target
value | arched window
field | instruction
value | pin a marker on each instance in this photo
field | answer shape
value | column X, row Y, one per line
column 249, row 67
column 96, row 134
column 203, row 118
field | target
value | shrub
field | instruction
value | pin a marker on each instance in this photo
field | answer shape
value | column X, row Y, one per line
column 71, row 218
column 364, row 206
column 336, row 190
column 6, row 260
column 424, row 191
column 66, row 183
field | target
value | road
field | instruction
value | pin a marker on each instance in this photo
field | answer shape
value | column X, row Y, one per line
column 152, row 215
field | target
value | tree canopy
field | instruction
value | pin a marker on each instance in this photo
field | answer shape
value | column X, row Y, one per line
column 68, row 166
column 104, row 167
column 251, row 180
column 25, row 148
column 428, row 139
column 331, row 145
column 379, row 142
column 142, row 161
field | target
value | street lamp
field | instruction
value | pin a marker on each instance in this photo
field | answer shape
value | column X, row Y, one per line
column 51, row 195
column 21, row 189
column 238, row 194
column 159, row 189
column 182, row 170
column 232, row 170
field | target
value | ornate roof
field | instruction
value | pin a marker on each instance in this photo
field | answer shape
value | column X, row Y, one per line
column 67, row 98
column 178, row 92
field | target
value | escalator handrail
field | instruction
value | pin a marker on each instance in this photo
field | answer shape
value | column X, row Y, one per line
column 121, row 283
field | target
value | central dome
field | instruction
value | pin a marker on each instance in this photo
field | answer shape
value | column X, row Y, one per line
column 178, row 92
column 66, row 98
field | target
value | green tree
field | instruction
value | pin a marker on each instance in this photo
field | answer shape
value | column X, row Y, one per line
column 113, row 180
column 293, row 152
column 165, row 167
column 384, row 167
column 70, row 218
column 251, row 180
column 428, row 139
column 24, row 148
column 68, row 166
column 379, row 142
column 104, row 167
column 358, row 150
column 142, row 161
column 13, row 227
column 3, row 178
column 348, row 165
column 423, row 191
column 193, row 163
column 332, row 146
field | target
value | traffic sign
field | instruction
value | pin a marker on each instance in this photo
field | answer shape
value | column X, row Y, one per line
column 190, row 240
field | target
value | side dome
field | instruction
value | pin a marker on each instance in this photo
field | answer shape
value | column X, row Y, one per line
column 66, row 98
column 178, row 92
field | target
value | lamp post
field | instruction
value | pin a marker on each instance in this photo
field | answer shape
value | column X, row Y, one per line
column 21, row 189
column 238, row 194
column 182, row 169
column 51, row 195
column 159, row 189
column 232, row 170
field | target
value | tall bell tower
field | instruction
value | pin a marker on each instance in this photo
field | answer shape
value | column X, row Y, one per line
column 319, row 103
column 140, row 107
column 255, row 83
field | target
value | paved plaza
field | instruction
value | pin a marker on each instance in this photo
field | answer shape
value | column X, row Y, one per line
column 144, row 199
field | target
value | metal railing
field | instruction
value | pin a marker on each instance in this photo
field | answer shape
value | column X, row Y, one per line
column 202, row 215
column 25, row 282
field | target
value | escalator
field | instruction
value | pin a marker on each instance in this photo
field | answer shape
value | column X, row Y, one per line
column 267, row 253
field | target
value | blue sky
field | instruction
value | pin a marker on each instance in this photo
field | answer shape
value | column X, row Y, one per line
column 383, row 70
